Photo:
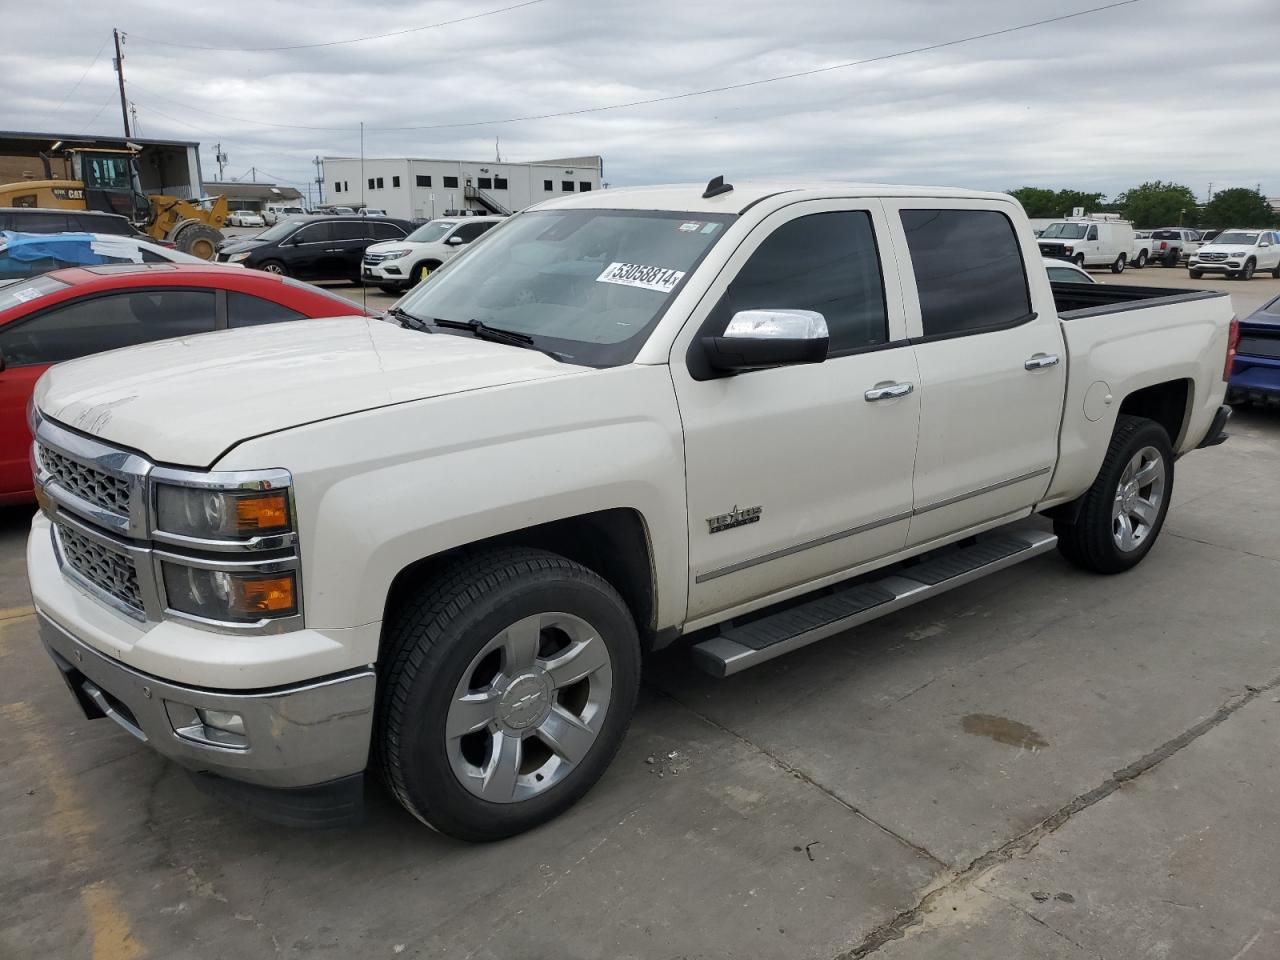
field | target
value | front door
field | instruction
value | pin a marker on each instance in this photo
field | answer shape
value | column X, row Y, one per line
column 306, row 252
column 801, row 472
column 992, row 372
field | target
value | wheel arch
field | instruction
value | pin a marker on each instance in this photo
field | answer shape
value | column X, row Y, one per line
column 1167, row 403
column 613, row 543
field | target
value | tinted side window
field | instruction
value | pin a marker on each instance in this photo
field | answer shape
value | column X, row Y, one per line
column 314, row 233
column 386, row 231
column 42, row 222
column 349, row 230
column 115, row 226
column 244, row 310
column 826, row 262
column 968, row 270
column 105, row 323
column 469, row 231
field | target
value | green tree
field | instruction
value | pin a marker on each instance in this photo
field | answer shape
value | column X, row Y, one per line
column 1238, row 207
column 1159, row 204
column 1041, row 203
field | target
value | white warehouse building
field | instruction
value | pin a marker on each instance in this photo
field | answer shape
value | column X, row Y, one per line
column 417, row 189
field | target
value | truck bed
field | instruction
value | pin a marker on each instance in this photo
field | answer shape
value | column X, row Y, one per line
column 1075, row 300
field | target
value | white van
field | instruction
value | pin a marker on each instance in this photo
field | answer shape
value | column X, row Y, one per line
column 273, row 213
column 1089, row 242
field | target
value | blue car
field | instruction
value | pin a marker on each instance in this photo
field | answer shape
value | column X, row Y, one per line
column 1255, row 375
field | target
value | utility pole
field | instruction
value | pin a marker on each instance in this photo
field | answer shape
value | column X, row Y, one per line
column 124, row 102
column 220, row 158
column 253, row 174
column 319, row 179
column 133, row 112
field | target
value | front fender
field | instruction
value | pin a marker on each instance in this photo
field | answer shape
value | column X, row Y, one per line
column 380, row 490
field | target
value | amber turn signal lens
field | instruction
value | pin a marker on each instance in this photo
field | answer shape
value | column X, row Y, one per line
column 267, row 595
column 268, row 511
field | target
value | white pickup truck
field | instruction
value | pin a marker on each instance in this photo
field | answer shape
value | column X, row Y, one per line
column 437, row 545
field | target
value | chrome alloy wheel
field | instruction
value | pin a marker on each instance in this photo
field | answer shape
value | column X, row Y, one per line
column 528, row 707
column 1139, row 497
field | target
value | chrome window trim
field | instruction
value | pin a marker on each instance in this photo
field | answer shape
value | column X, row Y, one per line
column 147, row 548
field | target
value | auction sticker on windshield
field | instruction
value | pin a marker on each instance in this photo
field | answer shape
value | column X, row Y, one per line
column 27, row 294
column 638, row 275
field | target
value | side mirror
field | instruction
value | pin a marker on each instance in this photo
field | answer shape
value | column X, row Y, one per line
column 768, row 338
column 454, row 240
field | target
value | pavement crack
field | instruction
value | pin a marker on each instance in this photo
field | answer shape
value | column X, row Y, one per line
column 801, row 775
column 896, row 926
column 1210, row 543
column 1044, row 923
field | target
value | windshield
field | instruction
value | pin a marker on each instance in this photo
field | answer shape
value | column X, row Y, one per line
column 587, row 285
column 278, row 232
column 430, row 232
column 1064, row 231
column 24, row 291
column 1237, row 236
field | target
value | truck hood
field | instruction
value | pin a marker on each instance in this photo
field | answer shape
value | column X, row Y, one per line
column 189, row 400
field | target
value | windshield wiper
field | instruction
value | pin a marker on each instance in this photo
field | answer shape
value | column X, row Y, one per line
column 482, row 331
column 406, row 319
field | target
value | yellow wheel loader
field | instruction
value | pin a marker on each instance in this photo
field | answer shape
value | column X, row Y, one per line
column 107, row 180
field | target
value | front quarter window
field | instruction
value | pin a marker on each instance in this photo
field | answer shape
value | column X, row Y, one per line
column 588, row 285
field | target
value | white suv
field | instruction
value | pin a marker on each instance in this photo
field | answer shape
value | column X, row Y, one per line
column 396, row 265
column 1238, row 253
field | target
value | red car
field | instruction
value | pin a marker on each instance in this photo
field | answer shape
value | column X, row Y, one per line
column 82, row 310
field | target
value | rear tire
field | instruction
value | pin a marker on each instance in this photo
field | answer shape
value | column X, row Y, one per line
column 1118, row 266
column 1171, row 258
column 511, row 680
column 1121, row 515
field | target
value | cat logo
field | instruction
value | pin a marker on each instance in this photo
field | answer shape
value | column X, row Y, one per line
column 68, row 193
column 734, row 518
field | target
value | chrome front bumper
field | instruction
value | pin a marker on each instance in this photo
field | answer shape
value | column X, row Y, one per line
column 295, row 736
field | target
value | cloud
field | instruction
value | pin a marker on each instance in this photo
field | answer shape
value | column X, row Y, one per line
column 1151, row 90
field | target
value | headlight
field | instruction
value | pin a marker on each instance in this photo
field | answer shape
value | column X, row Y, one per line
column 229, row 596
column 207, row 514
column 237, row 257
column 395, row 254
column 1068, row 249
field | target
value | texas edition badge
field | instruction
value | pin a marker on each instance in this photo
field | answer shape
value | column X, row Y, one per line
column 734, row 518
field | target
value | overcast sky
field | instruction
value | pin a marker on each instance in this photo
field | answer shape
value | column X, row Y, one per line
column 1159, row 89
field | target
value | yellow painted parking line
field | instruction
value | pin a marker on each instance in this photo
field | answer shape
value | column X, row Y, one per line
column 17, row 613
column 68, row 821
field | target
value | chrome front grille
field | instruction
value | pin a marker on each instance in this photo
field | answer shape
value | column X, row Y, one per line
column 111, row 571
column 1213, row 257
column 98, row 488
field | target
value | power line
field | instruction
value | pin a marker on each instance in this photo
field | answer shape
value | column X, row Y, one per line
column 82, row 76
column 110, row 96
column 676, row 96
column 334, row 43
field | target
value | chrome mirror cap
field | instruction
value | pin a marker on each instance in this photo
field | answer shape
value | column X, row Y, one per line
column 777, row 325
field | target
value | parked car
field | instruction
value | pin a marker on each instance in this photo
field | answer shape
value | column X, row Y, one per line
column 29, row 254
column 41, row 220
column 1255, row 375
column 398, row 264
column 1208, row 236
column 1140, row 252
column 1089, row 242
column 1170, row 245
column 313, row 248
column 78, row 311
column 273, row 213
column 1238, row 254
column 1062, row 271
column 622, row 418
column 371, row 212
column 245, row 218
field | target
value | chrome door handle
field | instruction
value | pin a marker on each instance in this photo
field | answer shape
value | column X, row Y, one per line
column 888, row 391
column 1041, row 360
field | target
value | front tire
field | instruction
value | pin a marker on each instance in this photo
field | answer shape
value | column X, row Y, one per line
column 1121, row 515
column 1079, row 260
column 274, row 266
column 512, row 679
column 1118, row 266
column 1142, row 259
column 1195, row 274
column 1250, row 265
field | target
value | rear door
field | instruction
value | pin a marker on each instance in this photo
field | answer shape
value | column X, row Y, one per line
column 992, row 372
column 800, row 472
column 350, row 237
